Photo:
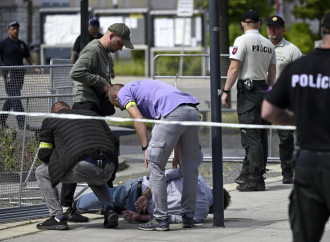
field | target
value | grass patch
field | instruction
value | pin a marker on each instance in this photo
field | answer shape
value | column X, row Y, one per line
column 230, row 117
column 128, row 124
column 129, row 67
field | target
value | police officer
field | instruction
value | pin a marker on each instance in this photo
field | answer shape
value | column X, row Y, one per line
column 13, row 51
column 286, row 52
column 304, row 87
column 251, row 58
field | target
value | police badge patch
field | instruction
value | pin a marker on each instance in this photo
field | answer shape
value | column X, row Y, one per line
column 234, row 50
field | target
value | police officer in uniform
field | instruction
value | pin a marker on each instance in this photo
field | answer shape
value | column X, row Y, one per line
column 286, row 53
column 13, row 51
column 253, row 63
column 304, row 87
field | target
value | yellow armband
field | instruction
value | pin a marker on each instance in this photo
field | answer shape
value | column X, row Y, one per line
column 130, row 104
column 44, row 145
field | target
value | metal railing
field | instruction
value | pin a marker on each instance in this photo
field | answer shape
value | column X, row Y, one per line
column 190, row 73
column 29, row 89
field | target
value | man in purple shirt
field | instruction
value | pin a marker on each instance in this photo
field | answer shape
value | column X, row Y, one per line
column 155, row 99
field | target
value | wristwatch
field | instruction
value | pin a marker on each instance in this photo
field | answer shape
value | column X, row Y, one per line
column 225, row 91
column 145, row 147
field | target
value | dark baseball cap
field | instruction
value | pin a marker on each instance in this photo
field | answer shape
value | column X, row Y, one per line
column 326, row 24
column 276, row 21
column 250, row 16
column 14, row 23
column 94, row 22
column 124, row 32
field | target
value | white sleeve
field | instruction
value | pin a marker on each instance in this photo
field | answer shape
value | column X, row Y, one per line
column 296, row 53
column 273, row 60
column 239, row 49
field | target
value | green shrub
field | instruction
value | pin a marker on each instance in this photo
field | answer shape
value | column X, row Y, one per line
column 301, row 36
column 11, row 151
column 129, row 67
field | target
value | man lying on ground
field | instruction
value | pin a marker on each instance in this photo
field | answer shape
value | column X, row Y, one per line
column 134, row 199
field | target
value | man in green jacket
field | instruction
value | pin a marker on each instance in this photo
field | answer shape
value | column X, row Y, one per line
column 92, row 73
column 93, row 67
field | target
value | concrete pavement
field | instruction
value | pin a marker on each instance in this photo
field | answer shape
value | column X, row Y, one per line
column 252, row 216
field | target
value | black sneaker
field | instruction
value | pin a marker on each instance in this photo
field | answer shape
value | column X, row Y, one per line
column 53, row 223
column 72, row 215
column 241, row 178
column 251, row 185
column 187, row 222
column 287, row 177
column 155, row 224
column 110, row 218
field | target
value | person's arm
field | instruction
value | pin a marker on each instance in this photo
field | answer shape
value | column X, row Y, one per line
column 232, row 74
column 131, row 216
column 142, row 202
column 81, row 71
column 46, row 144
column 31, row 61
column 74, row 56
column 276, row 115
column 271, row 75
column 141, row 129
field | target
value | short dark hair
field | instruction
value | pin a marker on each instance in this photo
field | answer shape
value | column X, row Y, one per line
column 60, row 103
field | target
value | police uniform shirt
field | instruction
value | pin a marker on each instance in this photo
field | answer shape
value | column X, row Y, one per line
column 304, row 85
column 12, row 53
column 286, row 52
column 256, row 54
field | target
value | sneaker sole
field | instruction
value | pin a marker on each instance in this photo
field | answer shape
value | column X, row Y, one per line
column 154, row 229
column 77, row 221
column 53, row 227
column 112, row 221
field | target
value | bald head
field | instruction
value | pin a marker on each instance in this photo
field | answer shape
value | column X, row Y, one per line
column 114, row 89
column 58, row 106
column 113, row 95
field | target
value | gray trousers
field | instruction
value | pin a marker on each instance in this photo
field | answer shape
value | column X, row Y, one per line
column 95, row 177
column 163, row 140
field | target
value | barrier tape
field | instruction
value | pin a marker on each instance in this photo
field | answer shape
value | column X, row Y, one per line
column 183, row 123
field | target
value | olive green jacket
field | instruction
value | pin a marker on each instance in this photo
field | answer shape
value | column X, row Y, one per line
column 92, row 69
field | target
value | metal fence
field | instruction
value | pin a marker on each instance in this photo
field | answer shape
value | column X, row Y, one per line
column 191, row 73
column 29, row 89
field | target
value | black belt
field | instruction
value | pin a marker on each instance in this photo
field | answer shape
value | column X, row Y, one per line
column 98, row 163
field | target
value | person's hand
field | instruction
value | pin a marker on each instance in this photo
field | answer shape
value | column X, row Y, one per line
column 224, row 99
column 145, row 159
column 113, row 75
column 141, row 204
column 106, row 88
column 130, row 216
column 37, row 70
column 176, row 162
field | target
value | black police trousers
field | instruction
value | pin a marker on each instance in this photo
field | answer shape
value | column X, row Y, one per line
column 254, row 141
column 309, row 207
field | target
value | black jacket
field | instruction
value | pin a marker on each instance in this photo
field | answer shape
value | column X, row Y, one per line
column 65, row 142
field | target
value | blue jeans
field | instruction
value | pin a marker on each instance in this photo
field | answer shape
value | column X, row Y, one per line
column 95, row 177
column 163, row 140
column 123, row 197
